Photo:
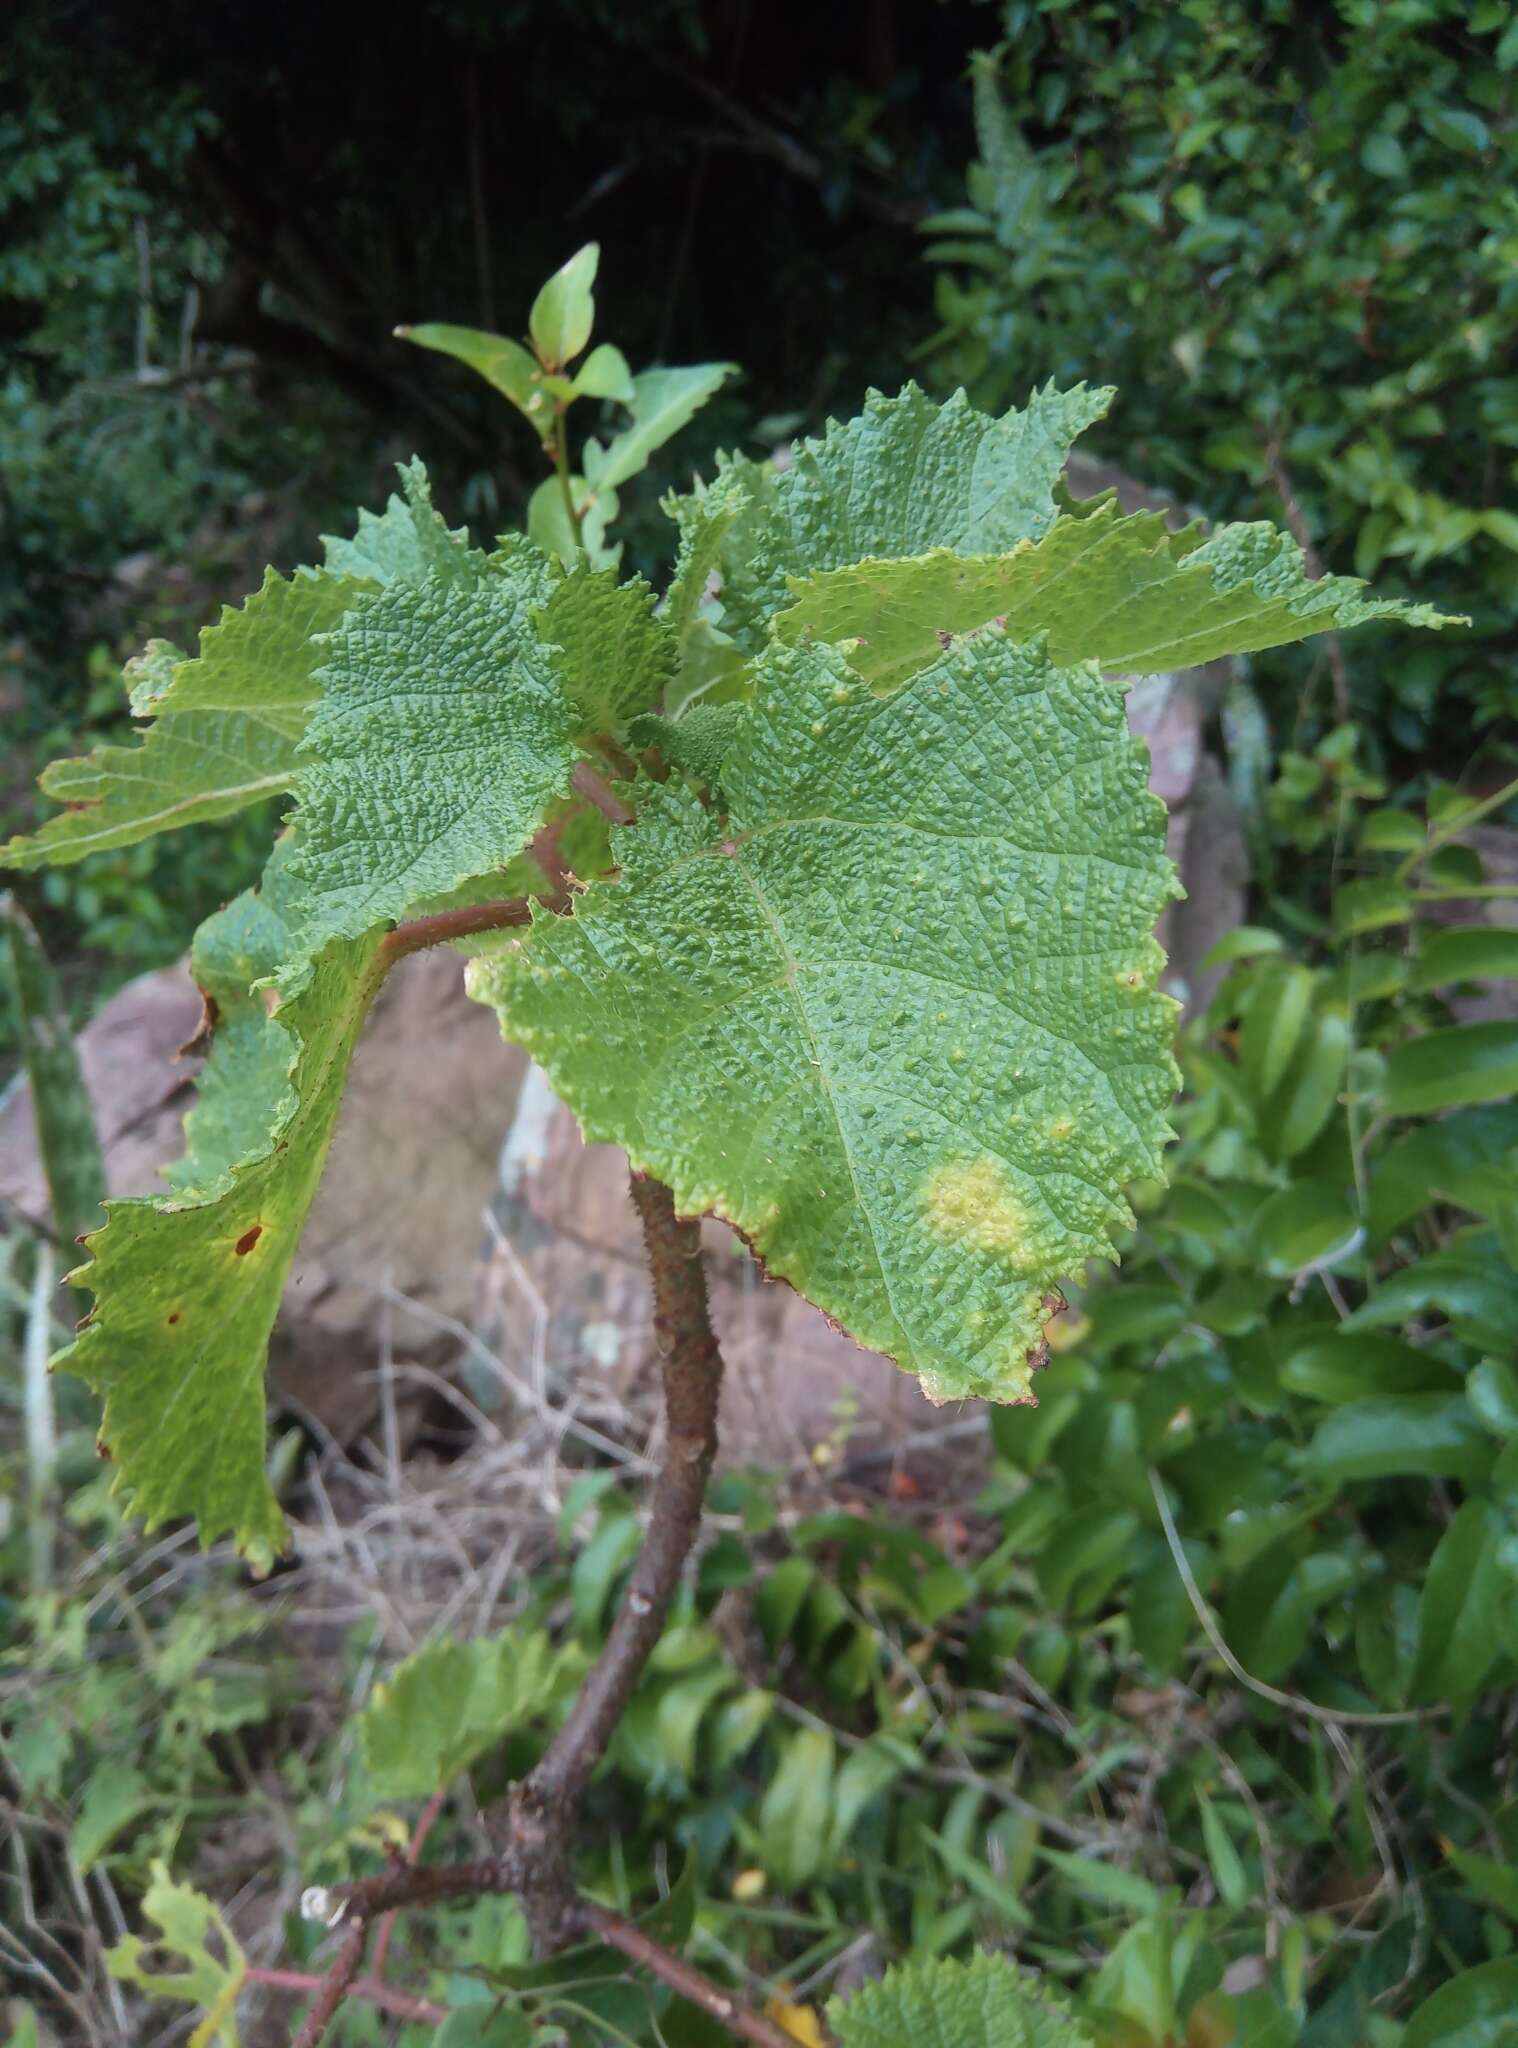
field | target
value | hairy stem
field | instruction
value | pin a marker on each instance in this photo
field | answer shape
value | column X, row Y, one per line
column 535, row 1829
column 561, row 464
column 682, row 1976
column 692, row 1371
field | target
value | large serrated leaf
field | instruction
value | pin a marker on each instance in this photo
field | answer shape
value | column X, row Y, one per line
column 1125, row 592
column 187, row 1288
column 442, row 734
column 906, row 476
column 894, row 1016
column 984, row 2003
column 406, row 543
column 224, row 732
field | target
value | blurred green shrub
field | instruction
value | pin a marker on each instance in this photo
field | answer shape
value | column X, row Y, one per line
column 1287, row 232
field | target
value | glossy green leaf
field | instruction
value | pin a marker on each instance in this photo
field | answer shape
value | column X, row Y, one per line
column 1342, row 1365
column 1488, row 1879
column 662, row 402
column 564, row 312
column 604, row 374
column 1457, row 1641
column 1309, row 1095
column 1492, row 1390
column 737, row 1009
column 504, row 364
column 1228, row 1872
column 1274, row 1017
column 1447, row 1069
column 1310, row 1225
column 1432, row 1435
column 1474, row 2010
column 1466, row 953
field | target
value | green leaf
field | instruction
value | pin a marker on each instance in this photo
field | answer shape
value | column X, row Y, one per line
column 1446, row 1069
column 1491, row 1387
column 485, row 2024
column 187, row 1288
column 1468, row 1282
column 1433, row 1435
column 244, row 1089
column 1124, row 1889
column 662, row 402
column 62, row 1117
column 612, row 655
column 795, row 1812
column 564, row 311
column 114, row 1795
column 1308, row 1226
column 1474, row 2010
column 1466, row 953
column 1458, row 1639
column 1490, row 1880
column 1309, row 1095
column 894, row 1017
column 1341, row 1365
column 1227, row 1866
column 604, row 374
column 1272, row 1024
column 505, row 365
column 444, row 1707
column 1122, row 591
column 991, row 1890
column 223, row 734
column 406, row 543
column 984, row 2003
column 903, row 477
column 210, row 1979
column 442, row 734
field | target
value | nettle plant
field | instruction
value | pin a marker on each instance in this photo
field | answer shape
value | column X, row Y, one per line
column 824, row 885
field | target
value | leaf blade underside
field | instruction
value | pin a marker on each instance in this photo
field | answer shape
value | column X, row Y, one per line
column 187, row 1287
column 1123, row 591
column 224, row 730
column 828, row 1019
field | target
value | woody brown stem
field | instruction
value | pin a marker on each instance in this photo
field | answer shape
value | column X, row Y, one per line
column 536, row 1827
column 682, row 1976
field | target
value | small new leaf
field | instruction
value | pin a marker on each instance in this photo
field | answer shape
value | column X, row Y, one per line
column 208, row 1977
column 564, row 311
column 893, row 1017
column 662, row 402
column 504, row 364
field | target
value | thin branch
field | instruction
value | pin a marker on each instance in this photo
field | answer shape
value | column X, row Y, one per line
column 682, row 1977
column 590, row 785
column 334, row 1988
column 1329, row 1717
column 414, row 1849
column 405, row 2005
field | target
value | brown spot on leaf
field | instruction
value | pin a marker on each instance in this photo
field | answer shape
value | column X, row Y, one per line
column 199, row 1040
column 248, row 1239
column 174, row 1316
